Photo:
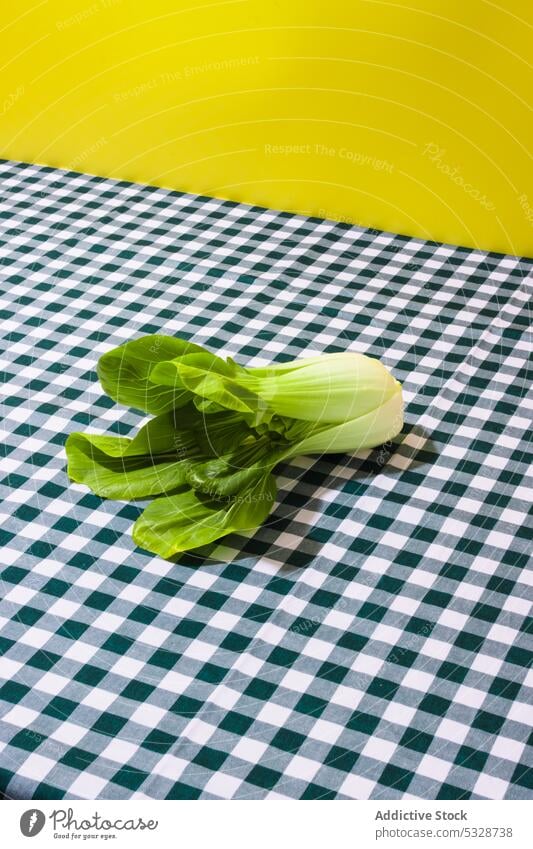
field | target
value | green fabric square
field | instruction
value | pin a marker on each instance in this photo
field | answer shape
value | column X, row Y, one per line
column 211, row 759
column 260, row 689
column 434, row 704
column 523, row 775
column 282, row 657
column 340, row 758
column 263, row 777
column 139, row 691
column 118, row 644
column 382, row 688
column 352, row 642
column 43, row 660
column 29, row 616
column 235, row 642
column 159, row 741
column 396, row 777
column 186, row 706
column 182, row 791
column 311, row 705
column 418, row 741
column 504, row 688
column 130, row 777
column 489, row 722
column 450, row 791
column 236, row 723
column 90, row 675
column 289, row 741
column 189, row 628
column 60, row 708
column 452, row 672
column 332, row 672
column 109, row 724
column 315, row 791
column 164, row 659
column 72, row 629
column 471, row 758
column 27, row 740
column 363, row 722
column 77, row 758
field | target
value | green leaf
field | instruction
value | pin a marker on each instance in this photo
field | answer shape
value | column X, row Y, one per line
column 124, row 373
column 233, row 472
column 112, row 473
column 218, row 382
column 188, row 520
column 158, row 458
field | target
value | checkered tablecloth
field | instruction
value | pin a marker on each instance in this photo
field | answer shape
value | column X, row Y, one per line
column 371, row 639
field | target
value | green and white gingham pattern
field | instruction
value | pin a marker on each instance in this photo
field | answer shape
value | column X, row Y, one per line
column 371, row 639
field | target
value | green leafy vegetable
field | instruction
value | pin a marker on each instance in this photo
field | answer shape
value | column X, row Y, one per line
column 192, row 519
column 124, row 373
column 219, row 429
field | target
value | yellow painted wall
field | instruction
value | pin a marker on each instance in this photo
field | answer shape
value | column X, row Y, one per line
column 412, row 115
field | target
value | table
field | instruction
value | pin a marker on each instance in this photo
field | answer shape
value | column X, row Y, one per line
column 371, row 639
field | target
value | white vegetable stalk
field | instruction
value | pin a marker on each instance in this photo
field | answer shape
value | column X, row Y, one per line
column 367, row 431
column 333, row 388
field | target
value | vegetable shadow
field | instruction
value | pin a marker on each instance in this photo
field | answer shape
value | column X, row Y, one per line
column 267, row 541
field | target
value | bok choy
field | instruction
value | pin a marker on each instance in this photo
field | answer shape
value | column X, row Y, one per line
column 219, row 430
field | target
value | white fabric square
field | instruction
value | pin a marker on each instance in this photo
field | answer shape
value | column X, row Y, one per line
column 274, row 714
column 178, row 607
column 80, row 652
column 224, row 697
column 418, row 680
column 128, row 667
column 521, row 712
column 508, row 749
column 379, row 749
column 52, row 683
column 502, row 634
column 367, row 664
column 453, row 619
column 303, row 768
column 347, row 696
column 399, row 714
column 223, row 785
column 35, row 637
column 250, row 750
column 317, row 648
column 36, row 767
column 200, row 650
column 99, row 699
column 326, row 731
column 20, row 716
column 120, row 751
column 469, row 696
column 87, row 786
column 449, row 729
column 490, row 787
column 69, row 733
column 153, row 636
column 198, row 731
column 298, row 681
column 357, row 787
column 435, row 768
column 149, row 715
column 175, row 682
column 170, row 767
column 108, row 622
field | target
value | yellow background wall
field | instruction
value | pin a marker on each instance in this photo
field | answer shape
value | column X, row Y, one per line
column 409, row 116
